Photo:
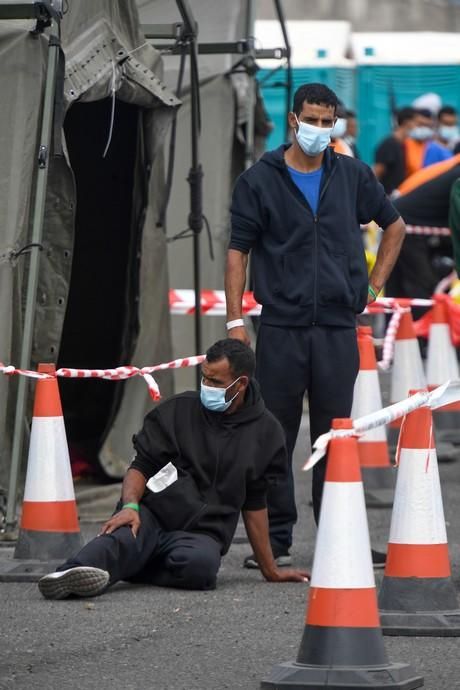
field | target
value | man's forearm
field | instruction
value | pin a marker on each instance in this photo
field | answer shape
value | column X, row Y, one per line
column 387, row 253
column 133, row 486
column 235, row 282
column 256, row 523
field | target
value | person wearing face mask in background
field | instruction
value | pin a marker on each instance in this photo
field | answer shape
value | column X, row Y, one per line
column 338, row 142
column 423, row 147
column 200, row 459
column 298, row 210
column 448, row 130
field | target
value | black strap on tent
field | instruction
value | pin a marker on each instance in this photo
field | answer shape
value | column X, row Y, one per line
column 58, row 116
column 161, row 222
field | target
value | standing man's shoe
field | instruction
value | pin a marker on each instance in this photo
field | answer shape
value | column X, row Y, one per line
column 379, row 558
column 282, row 559
column 82, row 581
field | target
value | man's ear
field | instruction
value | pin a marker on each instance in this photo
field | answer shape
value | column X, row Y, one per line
column 292, row 120
column 244, row 380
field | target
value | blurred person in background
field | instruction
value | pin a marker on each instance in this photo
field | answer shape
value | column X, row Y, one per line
column 448, row 130
column 421, row 146
column 339, row 130
column 351, row 133
column 390, row 157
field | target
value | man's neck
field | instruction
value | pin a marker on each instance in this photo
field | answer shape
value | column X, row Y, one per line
column 297, row 159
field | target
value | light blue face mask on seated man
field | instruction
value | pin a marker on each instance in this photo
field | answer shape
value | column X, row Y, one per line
column 313, row 140
column 214, row 398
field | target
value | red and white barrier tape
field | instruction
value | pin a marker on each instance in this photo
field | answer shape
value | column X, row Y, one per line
column 213, row 303
column 389, row 340
column 446, row 394
column 116, row 374
column 427, row 230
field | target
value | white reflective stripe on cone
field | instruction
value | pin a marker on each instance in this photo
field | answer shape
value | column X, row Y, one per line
column 367, row 399
column 343, row 552
column 366, row 394
column 418, row 514
column 48, row 471
column 441, row 364
column 407, row 369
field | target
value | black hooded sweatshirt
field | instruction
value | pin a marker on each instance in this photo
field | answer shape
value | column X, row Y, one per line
column 224, row 462
column 308, row 269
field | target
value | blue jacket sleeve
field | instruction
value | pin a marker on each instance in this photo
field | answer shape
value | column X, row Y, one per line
column 246, row 216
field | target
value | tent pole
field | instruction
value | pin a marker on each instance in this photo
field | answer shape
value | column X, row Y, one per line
column 195, row 176
column 195, row 179
column 32, row 278
column 289, row 85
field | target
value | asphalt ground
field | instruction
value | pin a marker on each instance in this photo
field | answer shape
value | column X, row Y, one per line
column 137, row 637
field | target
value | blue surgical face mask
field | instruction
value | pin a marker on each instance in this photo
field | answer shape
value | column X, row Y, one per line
column 449, row 133
column 313, row 140
column 339, row 128
column 421, row 133
column 214, row 398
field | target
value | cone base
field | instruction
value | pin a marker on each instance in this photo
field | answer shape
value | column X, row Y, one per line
column 45, row 546
column 378, row 477
column 15, row 570
column 421, row 623
column 295, row 676
column 416, row 595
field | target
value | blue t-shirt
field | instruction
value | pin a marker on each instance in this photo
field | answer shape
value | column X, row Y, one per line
column 435, row 153
column 309, row 184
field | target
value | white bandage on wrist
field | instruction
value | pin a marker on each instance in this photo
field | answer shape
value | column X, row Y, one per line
column 234, row 323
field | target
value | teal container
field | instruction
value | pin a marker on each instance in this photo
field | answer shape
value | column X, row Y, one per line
column 339, row 79
column 370, row 90
column 378, row 86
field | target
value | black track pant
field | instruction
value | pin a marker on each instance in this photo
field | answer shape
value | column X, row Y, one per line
column 169, row 559
column 322, row 361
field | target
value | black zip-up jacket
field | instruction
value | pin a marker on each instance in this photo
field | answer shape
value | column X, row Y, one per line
column 308, row 269
column 224, row 462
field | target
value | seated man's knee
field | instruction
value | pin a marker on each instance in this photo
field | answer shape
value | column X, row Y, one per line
column 195, row 568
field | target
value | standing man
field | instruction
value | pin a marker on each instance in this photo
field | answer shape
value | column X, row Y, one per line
column 299, row 211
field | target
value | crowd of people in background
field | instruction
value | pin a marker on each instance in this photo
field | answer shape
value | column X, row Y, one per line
column 424, row 133
column 417, row 164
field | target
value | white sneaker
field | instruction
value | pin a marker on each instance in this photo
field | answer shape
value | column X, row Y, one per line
column 83, row 581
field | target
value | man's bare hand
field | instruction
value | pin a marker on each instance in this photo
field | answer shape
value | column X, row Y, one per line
column 127, row 516
column 283, row 575
column 239, row 333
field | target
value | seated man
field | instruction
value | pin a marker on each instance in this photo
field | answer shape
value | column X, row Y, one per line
column 224, row 447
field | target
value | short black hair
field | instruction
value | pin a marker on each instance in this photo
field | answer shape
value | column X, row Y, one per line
column 320, row 94
column 351, row 114
column 405, row 114
column 241, row 358
column 447, row 110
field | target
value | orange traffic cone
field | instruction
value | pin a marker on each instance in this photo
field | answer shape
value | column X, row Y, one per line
column 342, row 644
column 377, row 473
column 442, row 366
column 407, row 372
column 49, row 526
column 417, row 596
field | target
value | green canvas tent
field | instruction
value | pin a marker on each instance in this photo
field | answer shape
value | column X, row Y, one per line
column 103, row 286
